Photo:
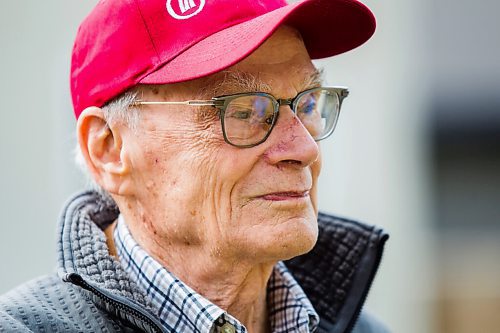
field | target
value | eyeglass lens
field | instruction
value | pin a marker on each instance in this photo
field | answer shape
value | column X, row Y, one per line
column 248, row 119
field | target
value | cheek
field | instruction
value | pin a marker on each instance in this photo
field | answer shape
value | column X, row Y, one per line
column 173, row 181
column 175, row 143
column 193, row 149
column 164, row 162
column 225, row 184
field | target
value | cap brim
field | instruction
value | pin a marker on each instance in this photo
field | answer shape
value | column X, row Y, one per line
column 328, row 27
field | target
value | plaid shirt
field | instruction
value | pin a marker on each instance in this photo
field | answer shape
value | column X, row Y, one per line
column 181, row 309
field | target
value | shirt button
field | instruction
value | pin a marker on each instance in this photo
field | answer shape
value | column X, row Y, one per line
column 227, row 328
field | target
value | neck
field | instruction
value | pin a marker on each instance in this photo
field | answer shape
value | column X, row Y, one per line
column 242, row 295
column 236, row 286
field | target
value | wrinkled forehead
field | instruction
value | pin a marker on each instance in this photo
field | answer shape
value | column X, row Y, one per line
column 226, row 83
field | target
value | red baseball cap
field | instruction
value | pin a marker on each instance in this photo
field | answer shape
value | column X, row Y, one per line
column 122, row 43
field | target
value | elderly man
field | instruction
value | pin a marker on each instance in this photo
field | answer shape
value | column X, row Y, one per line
column 199, row 122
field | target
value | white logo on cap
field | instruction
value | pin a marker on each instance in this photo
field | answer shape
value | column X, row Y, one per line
column 187, row 8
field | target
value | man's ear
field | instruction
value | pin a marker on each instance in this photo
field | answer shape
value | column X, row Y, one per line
column 102, row 149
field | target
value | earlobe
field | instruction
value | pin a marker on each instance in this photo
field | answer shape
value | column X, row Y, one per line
column 102, row 150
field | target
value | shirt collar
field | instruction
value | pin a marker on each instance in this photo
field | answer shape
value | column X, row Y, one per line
column 181, row 309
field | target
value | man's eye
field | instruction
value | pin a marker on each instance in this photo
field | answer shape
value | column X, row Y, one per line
column 308, row 108
column 242, row 115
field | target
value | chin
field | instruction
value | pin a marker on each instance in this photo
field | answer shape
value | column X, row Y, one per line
column 299, row 240
column 283, row 240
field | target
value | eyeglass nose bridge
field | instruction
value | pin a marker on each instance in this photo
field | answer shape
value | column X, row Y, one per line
column 286, row 101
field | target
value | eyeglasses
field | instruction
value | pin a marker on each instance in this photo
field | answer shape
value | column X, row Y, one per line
column 247, row 119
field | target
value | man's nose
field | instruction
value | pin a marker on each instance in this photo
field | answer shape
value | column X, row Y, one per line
column 290, row 142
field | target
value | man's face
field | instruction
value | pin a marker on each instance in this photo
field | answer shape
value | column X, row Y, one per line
column 193, row 189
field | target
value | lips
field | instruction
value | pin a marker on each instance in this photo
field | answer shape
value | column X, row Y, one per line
column 289, row 195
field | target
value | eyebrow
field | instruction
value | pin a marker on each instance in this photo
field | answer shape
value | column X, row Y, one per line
column 237, row 81
column 315, row 79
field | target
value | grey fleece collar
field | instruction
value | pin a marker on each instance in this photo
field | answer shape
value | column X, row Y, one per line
column 82, row 247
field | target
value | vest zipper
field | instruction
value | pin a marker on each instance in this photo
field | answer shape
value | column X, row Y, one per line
column 79, row 281
column 378, row 259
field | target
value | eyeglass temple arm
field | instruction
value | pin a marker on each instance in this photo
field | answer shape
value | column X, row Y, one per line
column 194, row 102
